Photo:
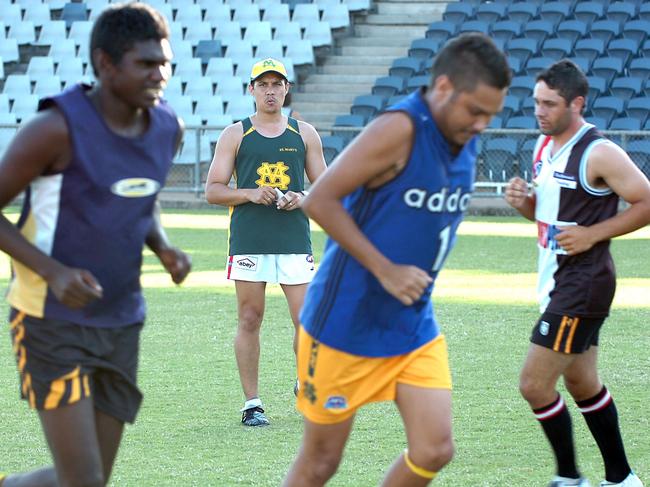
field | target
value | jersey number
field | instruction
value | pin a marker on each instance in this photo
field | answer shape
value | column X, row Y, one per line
column 443, row 248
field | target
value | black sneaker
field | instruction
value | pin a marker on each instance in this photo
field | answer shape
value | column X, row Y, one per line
column 254, row 417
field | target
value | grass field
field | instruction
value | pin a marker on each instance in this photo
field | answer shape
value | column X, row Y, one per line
column 188, row 431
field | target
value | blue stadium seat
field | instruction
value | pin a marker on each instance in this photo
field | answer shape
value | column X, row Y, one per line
column 627, row 87
column 621, row 11
column 522, row 49
column 607, row 67
column 405, row 67
column 387, row 86
column 582, row 62
column 571, row 29
column 625, row 123
column 644, row 11
column 515, row 65
column 207, row 49
column 458, row 12
column 496, row 123
column 522, row 11
column 589, row 12
column 600, row 123
column 506, row 29
column 72, row 12
column 319, row 33
column 555, row 12
column 332, row 146
column 500, row 154
column 589, row 48
column 423, row 48
column 528, row 107
column 338, row 15
column 367, row 106
column 417, row 82
column 511, row 106
column 640, row 67
column 474, row 26
column 538, row 30
column 607, row 107
column 356, row 121
column 526, row 158
column 597, row 87
column 522, row 86
column 441, row 30
column 646, row 87
column 638, row 108
column 537, row 64
column 557, row 48
column 637, row 30
column 625, row 49
column 395, row 99
column 521, row 122
column 639, row 152
column 605, row 30
column 491, row 12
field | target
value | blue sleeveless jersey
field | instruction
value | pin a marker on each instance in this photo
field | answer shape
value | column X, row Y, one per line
column 411, row 219
column 96, row 213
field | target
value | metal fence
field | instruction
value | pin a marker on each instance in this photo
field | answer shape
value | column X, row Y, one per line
column 503, row 153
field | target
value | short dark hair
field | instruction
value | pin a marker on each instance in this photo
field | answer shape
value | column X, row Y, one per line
column 120, row 26
column 472, row 58
column 566, row 78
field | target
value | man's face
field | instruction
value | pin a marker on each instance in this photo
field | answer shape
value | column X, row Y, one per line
column 269, row 91
column 141, row 75
column 464, row 114
column 553, row 113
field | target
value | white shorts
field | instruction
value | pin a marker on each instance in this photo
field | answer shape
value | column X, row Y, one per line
column 274, row 268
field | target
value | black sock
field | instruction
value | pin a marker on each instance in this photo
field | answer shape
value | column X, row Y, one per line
column 556, row 422
column 602, row 418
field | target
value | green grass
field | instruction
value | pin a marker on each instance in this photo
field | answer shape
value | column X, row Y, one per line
column 188, row 430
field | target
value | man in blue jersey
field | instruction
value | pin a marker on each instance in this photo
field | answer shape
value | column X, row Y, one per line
column 90, row 163
column 391, row 204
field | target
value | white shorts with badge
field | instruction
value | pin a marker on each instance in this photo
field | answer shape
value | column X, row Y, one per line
column 272, row 268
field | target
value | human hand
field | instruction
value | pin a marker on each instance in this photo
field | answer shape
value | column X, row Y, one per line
column 290, row 201
column 405, row 283
column 516, row 192
column 176, row 262
column 75, row 288
column 575, row 239
column 264, row 195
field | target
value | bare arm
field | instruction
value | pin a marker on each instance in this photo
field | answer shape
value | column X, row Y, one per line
column 221, row 170
column 378, row 150
column 609, row 166
column 39, row 146
column 520, row 198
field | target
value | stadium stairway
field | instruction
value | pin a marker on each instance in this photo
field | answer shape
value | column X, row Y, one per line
column 377, row 38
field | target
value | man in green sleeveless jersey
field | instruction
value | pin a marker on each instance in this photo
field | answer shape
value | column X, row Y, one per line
column 268, row 154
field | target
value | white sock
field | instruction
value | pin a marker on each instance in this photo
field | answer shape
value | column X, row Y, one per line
column 252, row 403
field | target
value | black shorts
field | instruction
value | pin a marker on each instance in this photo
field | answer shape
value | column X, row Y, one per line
column 566, row 334
column 60, row 363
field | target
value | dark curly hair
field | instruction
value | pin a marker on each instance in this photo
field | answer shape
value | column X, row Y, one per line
column 567, row 79
column 120, row 26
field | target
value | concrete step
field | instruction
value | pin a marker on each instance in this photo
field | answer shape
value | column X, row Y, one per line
column 317, row 106
column 428, row 9
column 327, row 79
column 377, row 70
column 391, row 30
column 359, row 61
column 380, row 41
column 323, row 121
column 402, row 19
column 343, row 97
column 339, row 87
column 362, row 51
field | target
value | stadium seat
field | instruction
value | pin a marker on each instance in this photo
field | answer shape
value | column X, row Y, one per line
column 538, row 30
column 474, row 26
column 490, row 12
column 305, row 13
column 644, row 11
column 217, row 14
column 199, row 87
column 24, row 32
column 521, row 122
column 218, row 120
column 212, row 105
column 515, row 65
column 17, row 85
column 40, row 66
column 535, row 65
column 2, row 72
column 605, row 30
column 638, row 108
column 598, row 122
column 625, row 49
column 627, row 87
column 589, row 48
column 458, row 12
column 522, row 49
column 387, row 86
column 395, row 99
column 47, row 85
column 38, row 13
column 367, row 106
column 277, row 14
column 240, row 107
column 358, row 5
column 243, row 69
column 589, row 12
column 625, row 123
column 80, row 32
column 174, row 87
column 621, row 11
column 52, row 33
column 229, row 32
column 70, row 70
column 637, row 30
column 522, row 86
column 416, row 82
column 258, row 32
column 239, row 50
column 288, row 33
column 571, row 29
column 557, row 48
column 74, row 12
column 197, row 32
column 332, row 145
column 11, row 14
column 337, row 15
column 423, row 48
column 441, row 30
column 500, row 154
column 555, row 12
column 207, row 49
column 522, row 12
column 640, row 67
column 496, row 122
column 272, row 49
column 528, row 107
column 405, row 67
column 352, row 121
column 526, row 158
column 181, row 104
column 301, row 52
column 646, row 87
column 246, row 13
column 639, row 152
column 506, row 30
column 583, row 63
column 319, row 33
column 607, row 107
column 231, row 87
column 607, row 67
column 511, row 106
column 597, row 87
column 188, row 69
column 24, row 107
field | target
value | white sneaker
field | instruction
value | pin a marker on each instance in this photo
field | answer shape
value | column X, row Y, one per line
column 631, row 481
column 566, row 482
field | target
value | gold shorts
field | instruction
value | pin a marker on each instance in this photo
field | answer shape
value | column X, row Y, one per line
column 334, row 384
